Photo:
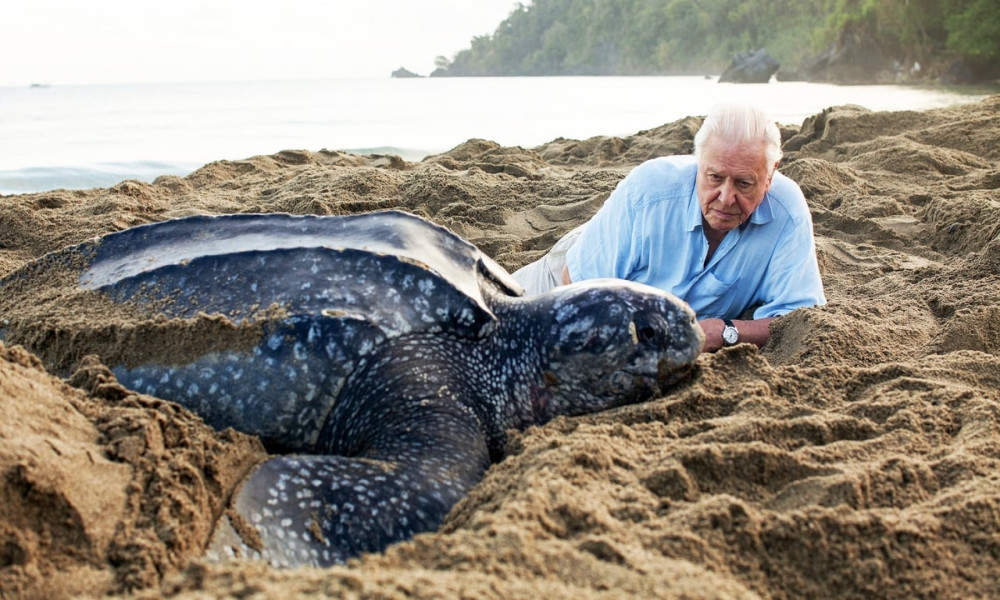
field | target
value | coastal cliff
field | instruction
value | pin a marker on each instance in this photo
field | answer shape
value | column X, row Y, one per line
column 864, row 41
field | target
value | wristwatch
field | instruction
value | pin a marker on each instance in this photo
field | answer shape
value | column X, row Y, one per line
column 730, row 335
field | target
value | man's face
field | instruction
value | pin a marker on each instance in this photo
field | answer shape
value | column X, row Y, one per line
column 731, row 183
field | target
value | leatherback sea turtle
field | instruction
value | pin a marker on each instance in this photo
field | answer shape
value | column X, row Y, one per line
column 382, row 355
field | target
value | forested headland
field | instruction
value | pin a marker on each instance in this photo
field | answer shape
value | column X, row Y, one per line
column 849, row 41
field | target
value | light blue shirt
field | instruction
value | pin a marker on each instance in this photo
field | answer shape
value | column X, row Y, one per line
column 650, row 230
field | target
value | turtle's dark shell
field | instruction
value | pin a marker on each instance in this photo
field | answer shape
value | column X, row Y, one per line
column 323, row 293
column 219, row 264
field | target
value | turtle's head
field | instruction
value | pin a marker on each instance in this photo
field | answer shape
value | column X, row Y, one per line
column 611, row 342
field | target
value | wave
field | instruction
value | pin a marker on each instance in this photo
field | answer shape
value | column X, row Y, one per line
column 39, row 179
column 410, row 154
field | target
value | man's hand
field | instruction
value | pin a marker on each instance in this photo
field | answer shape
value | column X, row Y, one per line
column 713, row 334
column 753, row 332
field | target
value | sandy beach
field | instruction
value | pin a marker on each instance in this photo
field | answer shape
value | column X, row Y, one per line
column 856, row 455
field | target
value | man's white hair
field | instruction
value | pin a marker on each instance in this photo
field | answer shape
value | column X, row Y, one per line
column 741, row 123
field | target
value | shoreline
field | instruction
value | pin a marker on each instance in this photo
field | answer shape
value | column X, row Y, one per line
column 64, row 154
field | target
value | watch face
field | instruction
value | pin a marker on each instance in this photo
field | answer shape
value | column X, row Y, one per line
column 730, row 335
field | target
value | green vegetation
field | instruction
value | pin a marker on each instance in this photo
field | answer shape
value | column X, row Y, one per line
column 632, row 37
column 975, row 30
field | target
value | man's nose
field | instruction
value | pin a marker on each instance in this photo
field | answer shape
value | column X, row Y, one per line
column 727, row 194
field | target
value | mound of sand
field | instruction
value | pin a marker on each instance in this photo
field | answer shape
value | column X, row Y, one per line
column 858, row 454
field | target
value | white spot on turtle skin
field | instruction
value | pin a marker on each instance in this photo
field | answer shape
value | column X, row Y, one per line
column 465, row 317
column 274, row 342
column 422, row 307
column 581, row 326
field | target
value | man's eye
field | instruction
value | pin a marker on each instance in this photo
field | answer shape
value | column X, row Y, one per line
column 745, row 184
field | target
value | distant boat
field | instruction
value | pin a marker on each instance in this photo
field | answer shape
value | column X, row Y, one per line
column 39, row 85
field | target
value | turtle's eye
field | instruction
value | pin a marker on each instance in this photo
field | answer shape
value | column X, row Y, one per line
column 649, row 330
column 645, row 334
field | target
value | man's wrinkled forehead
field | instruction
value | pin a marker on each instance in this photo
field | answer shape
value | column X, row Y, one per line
column 734, row 158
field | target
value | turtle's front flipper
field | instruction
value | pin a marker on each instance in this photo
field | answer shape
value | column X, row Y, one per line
column 321, row 510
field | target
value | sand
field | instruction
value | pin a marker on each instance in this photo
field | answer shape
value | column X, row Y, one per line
column 856, row 455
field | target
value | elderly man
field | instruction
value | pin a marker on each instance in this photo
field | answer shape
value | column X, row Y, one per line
column 721, row 229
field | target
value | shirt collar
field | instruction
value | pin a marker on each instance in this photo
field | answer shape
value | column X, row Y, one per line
column 694, row 215
column 763, row 213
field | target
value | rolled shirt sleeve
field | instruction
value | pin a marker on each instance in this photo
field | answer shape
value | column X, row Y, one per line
column 609, row 244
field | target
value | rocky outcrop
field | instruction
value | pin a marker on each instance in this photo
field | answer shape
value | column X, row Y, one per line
column 403, row 73
column 750, row 67
column 856, row 57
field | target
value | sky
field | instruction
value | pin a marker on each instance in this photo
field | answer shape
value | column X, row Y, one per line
column 62, row 42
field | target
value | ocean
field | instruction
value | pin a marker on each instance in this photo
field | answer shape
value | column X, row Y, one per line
column 78, row 137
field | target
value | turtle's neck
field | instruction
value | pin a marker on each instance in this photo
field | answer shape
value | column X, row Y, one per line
column 494, row 376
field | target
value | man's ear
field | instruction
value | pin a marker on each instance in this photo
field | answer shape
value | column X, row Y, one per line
column 771, row 176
